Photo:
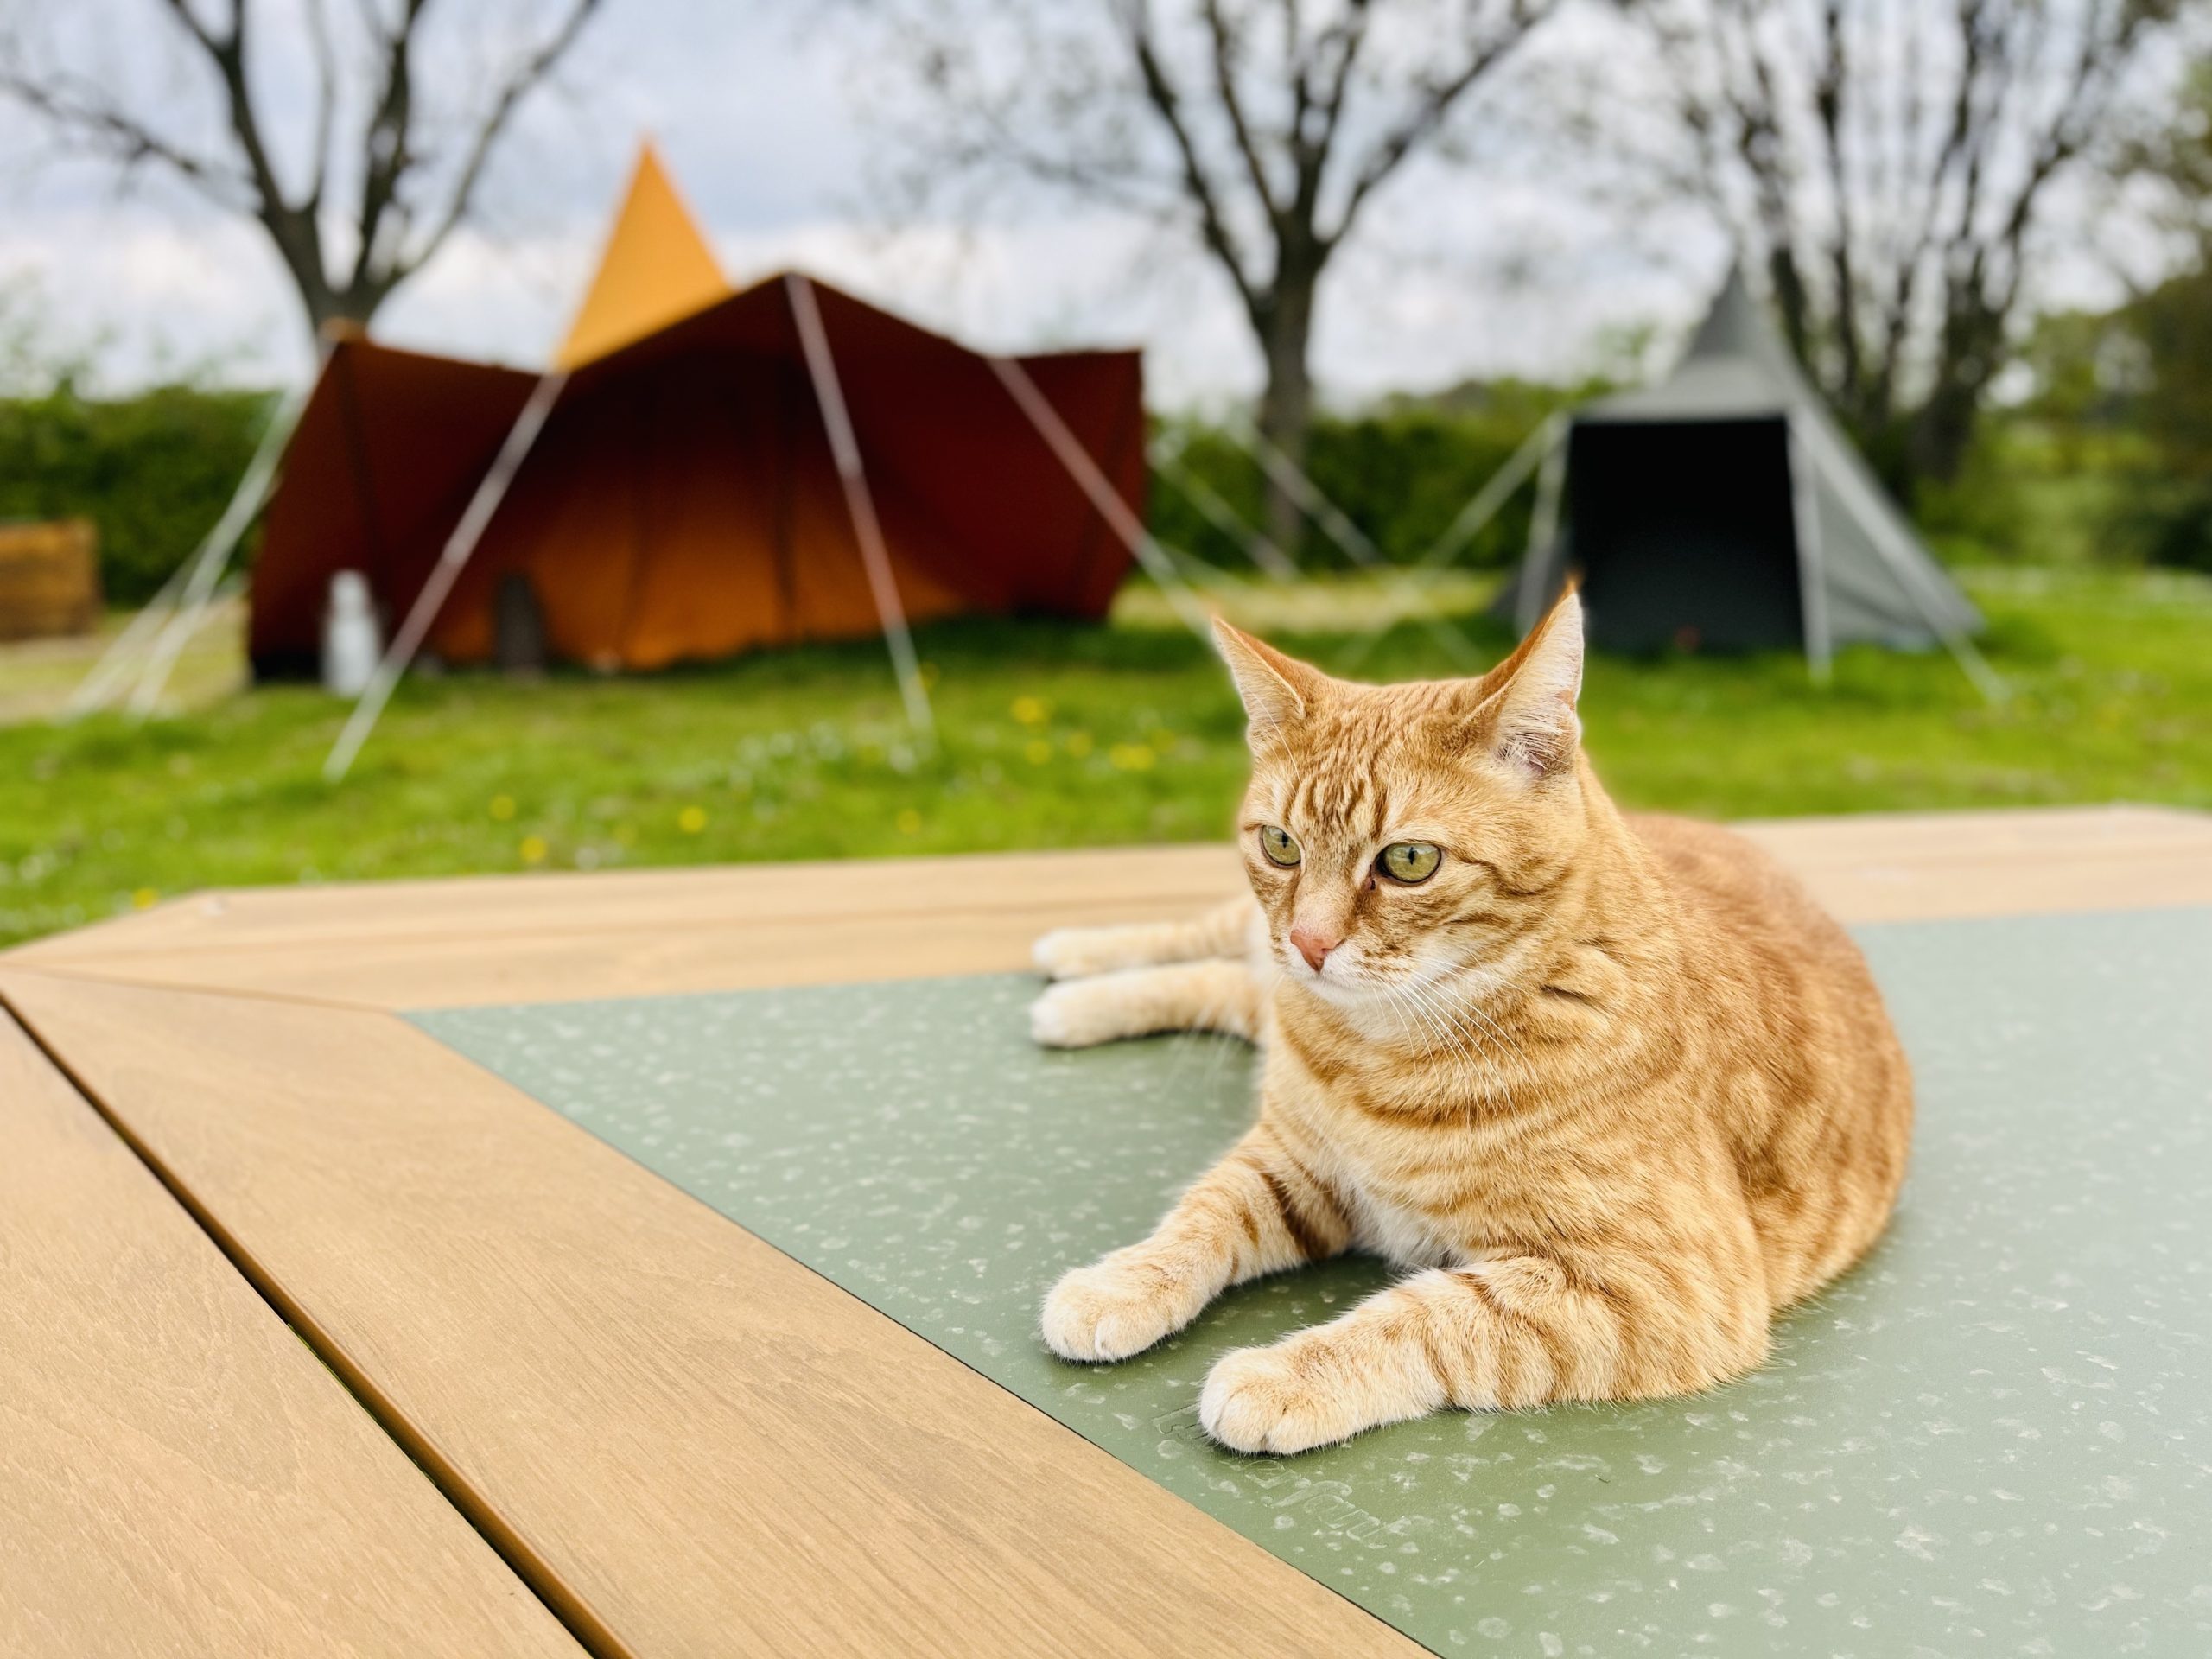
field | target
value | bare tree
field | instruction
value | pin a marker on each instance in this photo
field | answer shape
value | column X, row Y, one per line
column 1262, row 128
column 1885, row 164
column 375, row 186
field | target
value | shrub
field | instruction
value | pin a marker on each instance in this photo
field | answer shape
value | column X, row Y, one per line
column 153, row 471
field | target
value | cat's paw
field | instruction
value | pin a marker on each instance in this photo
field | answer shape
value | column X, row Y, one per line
column 1076, row 952
column 1255, row 1400
column 1109, row 1311
column 1075, row 1016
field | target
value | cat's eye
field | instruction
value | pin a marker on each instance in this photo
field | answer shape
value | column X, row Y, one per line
column 1278, row 846
column 1409, row 862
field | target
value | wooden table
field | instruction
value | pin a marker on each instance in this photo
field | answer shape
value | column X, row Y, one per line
column 542, row 1399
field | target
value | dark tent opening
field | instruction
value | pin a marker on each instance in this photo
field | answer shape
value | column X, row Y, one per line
column 1685, row 535
column 1723, row 509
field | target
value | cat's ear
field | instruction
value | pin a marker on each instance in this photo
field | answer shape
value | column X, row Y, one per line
column 1527, row 713
column 1278, row 690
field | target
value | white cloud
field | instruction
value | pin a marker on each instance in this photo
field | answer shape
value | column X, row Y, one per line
column 754, row 110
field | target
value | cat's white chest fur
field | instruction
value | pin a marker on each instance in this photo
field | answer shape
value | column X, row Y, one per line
column 1400, row 1234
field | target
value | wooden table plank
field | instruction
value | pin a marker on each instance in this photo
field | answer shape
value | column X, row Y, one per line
column 695, row 1442
column 966, row 885
column 177, row 1473
column 546, row 938
column 717, row 897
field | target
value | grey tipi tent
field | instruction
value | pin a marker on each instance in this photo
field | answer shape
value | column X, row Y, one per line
column 1724, row 508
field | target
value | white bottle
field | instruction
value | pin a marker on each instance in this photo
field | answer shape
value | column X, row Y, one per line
column 351, row 642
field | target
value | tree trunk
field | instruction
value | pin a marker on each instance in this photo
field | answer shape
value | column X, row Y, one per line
column 1943, row 427
column 297, row 243
column 1285, row 332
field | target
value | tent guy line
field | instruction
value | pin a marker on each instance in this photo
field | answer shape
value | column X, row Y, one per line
column 1116, row 511
column 860, row 505
column 521, row 437
column 175, row 614
column 1168, row 462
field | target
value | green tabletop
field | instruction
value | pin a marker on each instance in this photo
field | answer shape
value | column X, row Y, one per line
column 1992, row 1436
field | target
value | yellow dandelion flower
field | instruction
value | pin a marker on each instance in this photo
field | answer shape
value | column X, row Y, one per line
column 534, row 849
column 691, row 820
column 1030, row 711
column 1037, row 750
column 1131, row 757
column 502, row 807
column 1078, row 744
column 145, row 899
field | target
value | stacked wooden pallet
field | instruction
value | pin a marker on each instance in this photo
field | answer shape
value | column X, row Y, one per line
column 49, row 579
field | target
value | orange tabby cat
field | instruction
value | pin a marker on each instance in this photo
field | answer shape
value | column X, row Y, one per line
column 1616, row 1089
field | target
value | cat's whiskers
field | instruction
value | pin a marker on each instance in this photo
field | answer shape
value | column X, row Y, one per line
column 1452, row 1006
column 1428, row 997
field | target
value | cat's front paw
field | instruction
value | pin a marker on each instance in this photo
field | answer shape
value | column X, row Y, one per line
column 1076, row 1015
column 1255, row 1400
column 1076, row 952
column 1109, row 1311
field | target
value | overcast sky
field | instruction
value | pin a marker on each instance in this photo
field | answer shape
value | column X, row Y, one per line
column 754, row 108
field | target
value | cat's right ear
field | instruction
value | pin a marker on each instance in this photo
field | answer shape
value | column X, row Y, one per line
column 1277, row 690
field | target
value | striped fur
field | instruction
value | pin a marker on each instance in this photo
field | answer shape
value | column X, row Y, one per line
column 1614, row 1088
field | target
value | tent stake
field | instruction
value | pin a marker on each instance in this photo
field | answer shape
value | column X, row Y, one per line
column 447, row 571
column 867, row 530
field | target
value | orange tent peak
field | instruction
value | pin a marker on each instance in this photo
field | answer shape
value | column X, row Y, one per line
column 656, row 270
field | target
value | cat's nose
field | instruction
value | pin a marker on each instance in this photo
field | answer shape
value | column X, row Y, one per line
column 1313, row 944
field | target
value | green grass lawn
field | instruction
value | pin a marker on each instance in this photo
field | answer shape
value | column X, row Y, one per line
column 1049, row 736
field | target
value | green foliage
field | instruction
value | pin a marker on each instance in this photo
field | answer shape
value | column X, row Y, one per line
column 1401, row 473
column 2171, row 511
column 1051, row 736
column 153, row 471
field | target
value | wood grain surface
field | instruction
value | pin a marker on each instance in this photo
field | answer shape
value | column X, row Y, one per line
column 685, row 1442
column 492, row 939
column 691, row 1444
column 178, row 1475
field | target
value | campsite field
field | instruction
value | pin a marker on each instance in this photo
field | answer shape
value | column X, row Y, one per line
column 1048, row 735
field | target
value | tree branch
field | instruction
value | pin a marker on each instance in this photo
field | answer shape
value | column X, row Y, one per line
column 533, row 69
column 1433, row 104
column 1227, row 48
column 1160, row 92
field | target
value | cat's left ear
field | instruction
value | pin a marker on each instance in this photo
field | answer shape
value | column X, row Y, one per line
column 1527, row 709
column 1278, row 692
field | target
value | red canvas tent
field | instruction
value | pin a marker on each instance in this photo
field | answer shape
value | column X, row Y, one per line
column 682, row 500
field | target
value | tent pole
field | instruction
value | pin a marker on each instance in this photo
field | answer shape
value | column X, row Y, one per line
column 1812, row 579
column 1971, row 662
column 474, row 520
column 190, row 589
column 867, row 530
column 1543, row 533
column 1104, row 498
